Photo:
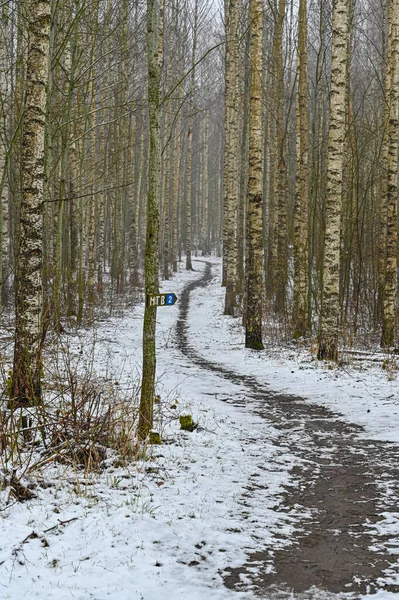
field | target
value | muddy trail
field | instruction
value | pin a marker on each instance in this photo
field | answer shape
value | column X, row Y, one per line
column 347, row 483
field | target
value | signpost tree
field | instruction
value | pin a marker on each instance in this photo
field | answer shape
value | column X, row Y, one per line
column 154, row 50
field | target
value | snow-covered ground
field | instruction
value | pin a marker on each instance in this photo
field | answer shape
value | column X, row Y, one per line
column 362, row 391
column 168, row 526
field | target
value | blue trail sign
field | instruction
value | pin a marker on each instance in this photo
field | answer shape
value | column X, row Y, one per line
column 161, row 299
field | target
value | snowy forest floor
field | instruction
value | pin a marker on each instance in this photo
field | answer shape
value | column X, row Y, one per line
column 288, row 487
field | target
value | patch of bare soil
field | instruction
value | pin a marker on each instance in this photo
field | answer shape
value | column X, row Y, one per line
column 343, row 486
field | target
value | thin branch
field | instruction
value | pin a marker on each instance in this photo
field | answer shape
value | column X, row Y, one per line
column 108, row 189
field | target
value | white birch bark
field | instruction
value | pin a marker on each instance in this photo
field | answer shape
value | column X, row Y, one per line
column 72, row 174
column 166, row 207
column 91, row 277
column 388, row 324
column 4, row 221
column 205, row 191
column 254, row 271
column 230, row 171
column 280, row 187
column 329, row 318
column 382, row 241
column 26, row 377
column 300, row 300
column 190, row 144
column 175, row 193
column 133, row 212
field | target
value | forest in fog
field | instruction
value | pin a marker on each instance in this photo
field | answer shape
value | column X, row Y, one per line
column 199, row 332
column 277, row 127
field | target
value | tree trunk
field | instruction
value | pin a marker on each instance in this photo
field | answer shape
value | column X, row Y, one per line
column 4, row 239
column 205, row 220
column 26, row 376
column 91, row 122
column 329, row 318
column 190, row 143
column 155, row 46
column 175, row 192
column 280, row 170
column 243, row 169
column 388, row 324
column 253, row 317
column 300, row 318
column 231, row 160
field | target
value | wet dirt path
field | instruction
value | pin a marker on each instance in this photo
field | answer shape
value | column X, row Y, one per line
column 346, row 483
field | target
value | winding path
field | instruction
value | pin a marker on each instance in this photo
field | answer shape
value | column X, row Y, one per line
column 344, row 489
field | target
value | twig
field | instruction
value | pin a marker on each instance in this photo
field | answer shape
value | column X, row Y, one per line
column 33, row 535
column 60, row 523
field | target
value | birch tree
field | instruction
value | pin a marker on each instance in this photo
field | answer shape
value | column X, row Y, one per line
column 388, row 324
column 3, row 151
column 300, row 300
column 329, row 318
column 253, row 317
column 155, row 54
column 205, row 221
column 230, row 174
column 382, row 246
column 280, row 191
column 190, row 142
column 27, row 367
